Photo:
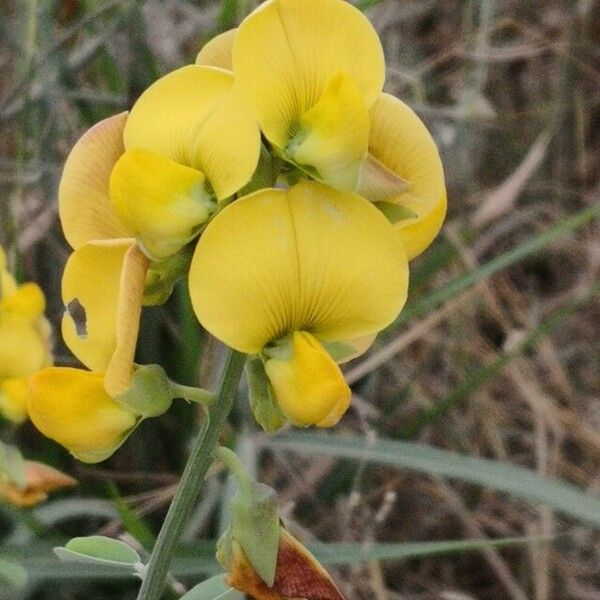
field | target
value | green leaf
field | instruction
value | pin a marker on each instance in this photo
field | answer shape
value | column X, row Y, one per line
column 344, row 553
column 13, row 574
column 507, row 478
column 12, row 465
column 214, row 588
column 99, row 549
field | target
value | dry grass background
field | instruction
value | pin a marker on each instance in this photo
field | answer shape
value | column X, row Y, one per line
column 511, row 91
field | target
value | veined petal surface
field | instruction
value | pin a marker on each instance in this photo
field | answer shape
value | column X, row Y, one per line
column 306, row 259
column 83, row 197
column 90, row 289
column 71, row 407
column 287, row 51
column 218, row 52
column 400, row 141
column 194, row 117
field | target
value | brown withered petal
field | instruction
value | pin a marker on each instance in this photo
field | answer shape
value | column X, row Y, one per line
column 298, row 575
column 40, row 479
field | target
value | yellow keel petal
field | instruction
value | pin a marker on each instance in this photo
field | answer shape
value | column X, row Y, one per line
column 71, row 407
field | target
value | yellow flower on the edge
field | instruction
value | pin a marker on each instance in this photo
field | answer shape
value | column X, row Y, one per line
column 292, row 274
column 24, row 341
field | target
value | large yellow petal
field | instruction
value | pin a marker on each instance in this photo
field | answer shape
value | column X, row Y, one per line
column 218, row 52
column 309, row 386
column 307, row 259
column 400, row 140
column 287, row 52
column 194, row 117
column 83, row 200
column 162, row 202
column 90, row 289
column 71, row 407
column 22, row 349
column 334, row 135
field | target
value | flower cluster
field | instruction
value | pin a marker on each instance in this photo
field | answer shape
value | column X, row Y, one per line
column 278, row 177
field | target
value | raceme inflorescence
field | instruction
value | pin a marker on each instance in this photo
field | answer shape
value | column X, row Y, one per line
column 291, row 191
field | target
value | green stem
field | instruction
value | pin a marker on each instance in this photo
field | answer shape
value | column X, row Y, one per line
column 195, row 470
column 192, row 394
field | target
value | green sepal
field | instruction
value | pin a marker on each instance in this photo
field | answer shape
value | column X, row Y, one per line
column 262, row 400
column 395, row 212
column 339, row 350
column 162, row 276
column 255, row 527
column 150, row 393
column 266, row 173
column 12, row 466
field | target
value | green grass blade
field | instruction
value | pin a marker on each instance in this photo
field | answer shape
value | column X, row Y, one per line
column 516, row 481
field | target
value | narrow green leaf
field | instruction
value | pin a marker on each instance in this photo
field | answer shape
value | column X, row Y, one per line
column 214, row 588
column 507, row 478
column 13, row 574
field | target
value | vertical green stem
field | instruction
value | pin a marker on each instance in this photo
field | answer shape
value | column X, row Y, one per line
column 195, row 470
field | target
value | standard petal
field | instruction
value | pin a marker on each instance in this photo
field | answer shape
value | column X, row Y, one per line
column 400, row 140
column 162, row 202
column 287, row 51
column 218, row 51
column 309, row 386
column 202, row 125
column 83, row 199
column 334, row 135
column 90, row 290
column 309, row 259
column 22, row 349
column 71, row 407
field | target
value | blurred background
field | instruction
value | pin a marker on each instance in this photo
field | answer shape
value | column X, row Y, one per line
column 495, row 356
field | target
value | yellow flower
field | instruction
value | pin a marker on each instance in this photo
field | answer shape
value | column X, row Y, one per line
column 39, row 481
column 310, row 70
column 24, row 341
column 298, row 575
column 295, row 276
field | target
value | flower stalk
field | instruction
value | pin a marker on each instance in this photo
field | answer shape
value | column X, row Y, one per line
column 195, row 470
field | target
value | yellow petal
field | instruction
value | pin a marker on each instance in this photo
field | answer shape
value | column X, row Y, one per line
column 334, row 135
column 83, row 200
column 90, row 291
column 40, row 479
column 309, row 386
column 194, row 117
column 13, row 399
column 287, row 52
column 22, row 349
column 218, row 52
column 119, row 372
column 71, row 407
column 162, row 202
column 27, row 300
column 400, row 141
column 307, row 259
